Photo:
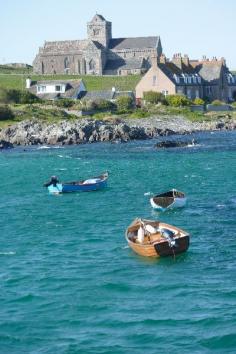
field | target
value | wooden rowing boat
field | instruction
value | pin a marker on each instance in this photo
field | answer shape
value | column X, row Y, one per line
column 152, row 238
column 168, row 200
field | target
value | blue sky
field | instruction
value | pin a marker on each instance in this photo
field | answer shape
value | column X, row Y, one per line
column 194, row 27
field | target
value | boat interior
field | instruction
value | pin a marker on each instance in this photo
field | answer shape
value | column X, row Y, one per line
column 151, row 232
column 171, row 194
column 92, row 180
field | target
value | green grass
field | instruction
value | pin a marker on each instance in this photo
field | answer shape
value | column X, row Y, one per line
column 92, row 83
column 4, row 69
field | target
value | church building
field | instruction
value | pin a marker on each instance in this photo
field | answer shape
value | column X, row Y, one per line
column 99, row 54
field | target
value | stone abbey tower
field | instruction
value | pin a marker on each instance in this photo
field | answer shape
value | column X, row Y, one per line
column 99, row 54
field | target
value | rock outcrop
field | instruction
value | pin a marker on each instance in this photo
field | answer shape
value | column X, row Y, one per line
column 35, row 132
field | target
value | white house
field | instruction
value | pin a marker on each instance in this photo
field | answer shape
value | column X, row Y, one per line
column 55, row 89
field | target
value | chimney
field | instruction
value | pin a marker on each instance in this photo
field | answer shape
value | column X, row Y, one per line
column 185, row 60
column 177, row 60
column 223, row 61
column 154, row 61
column 28, row 83
column 162, row 59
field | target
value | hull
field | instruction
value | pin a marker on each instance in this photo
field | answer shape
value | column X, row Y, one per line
column 89, row 185
column 161, row 249
column 176, row 203
column 170, row 242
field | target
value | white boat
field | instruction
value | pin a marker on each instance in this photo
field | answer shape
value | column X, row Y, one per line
column 168, row 200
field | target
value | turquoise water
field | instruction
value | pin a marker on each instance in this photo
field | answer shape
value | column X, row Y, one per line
column 70, row 284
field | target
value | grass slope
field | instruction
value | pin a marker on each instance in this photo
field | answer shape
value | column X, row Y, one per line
column 17, row 81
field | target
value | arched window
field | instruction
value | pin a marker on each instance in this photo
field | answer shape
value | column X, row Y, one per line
column 79, row 68
column 92, row 65
column 66, row 63
column 42, row 67
column 84, row 67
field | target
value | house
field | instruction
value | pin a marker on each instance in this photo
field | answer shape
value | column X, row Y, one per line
column 98, row 54
column 55, row 89
column 108, row 95
column 193, row 78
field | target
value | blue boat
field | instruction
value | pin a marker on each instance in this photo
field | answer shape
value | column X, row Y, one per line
column 86, row 185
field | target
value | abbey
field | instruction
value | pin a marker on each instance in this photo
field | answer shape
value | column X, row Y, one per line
column 99, row 54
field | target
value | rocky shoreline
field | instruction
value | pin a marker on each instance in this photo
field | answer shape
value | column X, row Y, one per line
column 35, row 132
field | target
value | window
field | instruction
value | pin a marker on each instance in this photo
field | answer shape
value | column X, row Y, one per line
column 189, row 93
column 154, row 79
column 66, row 63
column 92, row 65
column 208, row 90
column 58, row 88
column 41, row 89
column 165, row 92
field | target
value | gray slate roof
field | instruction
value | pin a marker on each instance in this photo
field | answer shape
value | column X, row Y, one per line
column 127, row 64
column 133, row 43
column 210, row 71
column 107, row 95
column 99, row 95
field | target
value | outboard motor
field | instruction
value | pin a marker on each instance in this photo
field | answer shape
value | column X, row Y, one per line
column 169, row 236
column 53, row 181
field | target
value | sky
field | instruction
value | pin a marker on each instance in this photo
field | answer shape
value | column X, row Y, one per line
column 193, row 27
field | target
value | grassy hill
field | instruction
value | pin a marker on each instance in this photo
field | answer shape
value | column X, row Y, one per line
column 16, row 80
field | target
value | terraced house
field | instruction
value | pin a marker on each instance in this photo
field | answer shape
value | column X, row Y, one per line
column 204, row 78
column 99, row 54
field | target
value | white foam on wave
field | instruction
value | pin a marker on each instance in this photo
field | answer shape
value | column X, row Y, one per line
column 11, row 253
column 148, row 193
column 221, row 206
column 43, row 147
column 65, row 156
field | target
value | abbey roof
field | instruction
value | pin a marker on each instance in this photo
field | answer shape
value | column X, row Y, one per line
column 133, row 43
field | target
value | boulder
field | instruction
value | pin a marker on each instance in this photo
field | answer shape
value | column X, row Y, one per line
column 174, row 143
column 5, row 144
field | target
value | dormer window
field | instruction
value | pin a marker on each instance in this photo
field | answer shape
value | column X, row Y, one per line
column 231, row 78
column 185, row 78
column 177, row 79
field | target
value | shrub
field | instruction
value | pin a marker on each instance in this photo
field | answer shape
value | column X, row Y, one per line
column 154, row 97
column 102, row 104
column 17, row 96
column 233, row 104
column 178, row 100
column 64, row 102
column 217, row 103
column 5, row 113
column 28, row 97
column 198, row 101
column 124, row 103
column 140, row 113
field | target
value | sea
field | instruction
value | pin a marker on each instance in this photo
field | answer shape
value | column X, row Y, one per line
column 68, row 281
